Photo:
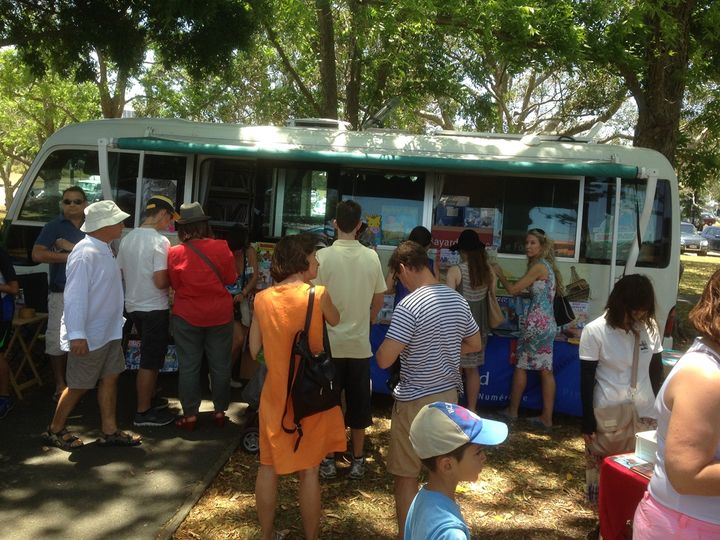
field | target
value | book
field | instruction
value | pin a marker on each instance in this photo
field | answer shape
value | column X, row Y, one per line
column 645, row 470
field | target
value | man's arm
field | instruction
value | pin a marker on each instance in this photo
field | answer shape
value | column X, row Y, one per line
column 161, row 279
column 376, row 305
column 43, row 254
column 388, row 352
column 471, row 344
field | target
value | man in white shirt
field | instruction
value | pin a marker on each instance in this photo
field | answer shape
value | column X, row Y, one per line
column 91, row 328
column 354, row 278
column 143, row 261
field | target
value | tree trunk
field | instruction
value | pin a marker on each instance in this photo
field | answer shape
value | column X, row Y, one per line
column 660, row 96
column 352, row 89
column 328, row 75
column 112, row 103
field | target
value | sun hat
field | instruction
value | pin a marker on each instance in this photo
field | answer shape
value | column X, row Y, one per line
column 440, row 427
column 191, row 213
column 102, row 214
column 163, row 202
column 467, row 241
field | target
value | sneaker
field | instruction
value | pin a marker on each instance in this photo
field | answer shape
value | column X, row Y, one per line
column 159, row 403
column 153, row 418
column 357, row 468
column 328, row 469
column 6, row 405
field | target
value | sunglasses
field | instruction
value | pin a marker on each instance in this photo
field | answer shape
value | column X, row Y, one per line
column 76, row 202
column 537, row 231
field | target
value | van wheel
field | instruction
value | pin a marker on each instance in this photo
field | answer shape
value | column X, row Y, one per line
column 702, row 253
column 682, row 251
column 250, row 440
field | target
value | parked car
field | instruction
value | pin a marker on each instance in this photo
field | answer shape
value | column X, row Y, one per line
column 712, row 236
column 691, row 241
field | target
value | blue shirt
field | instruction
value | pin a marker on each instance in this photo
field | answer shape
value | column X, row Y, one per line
column 60, row 227
column 433, row 516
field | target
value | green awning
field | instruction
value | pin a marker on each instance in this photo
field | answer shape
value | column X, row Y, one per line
column 391, row 161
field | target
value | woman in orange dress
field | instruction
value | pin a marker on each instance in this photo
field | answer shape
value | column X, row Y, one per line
column 279, row 314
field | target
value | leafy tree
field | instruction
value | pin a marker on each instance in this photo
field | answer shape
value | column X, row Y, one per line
column 106, row 42
column 31, row 109
column 657, row 47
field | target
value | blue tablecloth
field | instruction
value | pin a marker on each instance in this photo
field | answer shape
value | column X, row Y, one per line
column 496, row 375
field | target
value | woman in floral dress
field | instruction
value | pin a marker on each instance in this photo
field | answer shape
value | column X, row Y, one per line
column 535, row 345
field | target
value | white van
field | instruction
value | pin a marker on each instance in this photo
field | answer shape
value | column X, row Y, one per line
column 611, row 209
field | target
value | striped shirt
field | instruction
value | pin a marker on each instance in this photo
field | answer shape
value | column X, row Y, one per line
column 431, row 321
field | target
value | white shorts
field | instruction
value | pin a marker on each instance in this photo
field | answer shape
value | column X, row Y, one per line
column 52, row 334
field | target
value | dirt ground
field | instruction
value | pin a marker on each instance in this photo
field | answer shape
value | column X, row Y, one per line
column 532, row 488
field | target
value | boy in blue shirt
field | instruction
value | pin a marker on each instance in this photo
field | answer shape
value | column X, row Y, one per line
column 450, row 441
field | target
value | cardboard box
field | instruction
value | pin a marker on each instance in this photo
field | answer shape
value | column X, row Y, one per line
column 646, row 445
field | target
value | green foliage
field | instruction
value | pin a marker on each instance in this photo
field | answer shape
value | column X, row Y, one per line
column 32, row 108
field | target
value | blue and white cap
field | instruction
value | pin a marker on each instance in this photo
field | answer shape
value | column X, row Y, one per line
column 440, row 428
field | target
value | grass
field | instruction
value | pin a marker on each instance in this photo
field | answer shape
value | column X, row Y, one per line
column 531, row 488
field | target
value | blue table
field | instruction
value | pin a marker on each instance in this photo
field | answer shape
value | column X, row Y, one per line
column 496, row 374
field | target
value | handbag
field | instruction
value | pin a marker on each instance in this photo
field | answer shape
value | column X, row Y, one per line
column 313, row 388
column 495, row 315
column 562, row 310
column 618, row 423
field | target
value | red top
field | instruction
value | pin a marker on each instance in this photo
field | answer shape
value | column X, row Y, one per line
column 200, row 298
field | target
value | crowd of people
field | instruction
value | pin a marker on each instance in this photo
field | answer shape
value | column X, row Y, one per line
column 202, row 291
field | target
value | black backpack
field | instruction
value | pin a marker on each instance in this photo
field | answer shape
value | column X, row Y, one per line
column 314, row 388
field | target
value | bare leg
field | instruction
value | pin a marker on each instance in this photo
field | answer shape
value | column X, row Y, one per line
column 547, row 382
column 519, row 382
column 357, row 438
column 145, row 384
column 309, row 496
column 266, row 485
column 405, row 490
column 107, row 399
column 472, row 387
column 68, row 399
column 59, row 365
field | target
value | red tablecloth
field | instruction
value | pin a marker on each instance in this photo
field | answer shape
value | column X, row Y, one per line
column 621, row 489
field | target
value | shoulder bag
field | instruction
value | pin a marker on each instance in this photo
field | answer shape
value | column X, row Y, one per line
column 617, row 424
column 495, row 314
column 562, row 310
column 313, row 388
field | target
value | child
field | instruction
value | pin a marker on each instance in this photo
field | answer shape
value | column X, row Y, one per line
column 449, row 441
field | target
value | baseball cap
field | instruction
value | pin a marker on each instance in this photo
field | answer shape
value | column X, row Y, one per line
column 441, row 427
column 161, row 201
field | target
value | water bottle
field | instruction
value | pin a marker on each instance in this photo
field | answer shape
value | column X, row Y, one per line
column 19, row 301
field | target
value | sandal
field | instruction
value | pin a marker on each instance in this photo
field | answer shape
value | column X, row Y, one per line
column 186, row 423
column 119, row 438
column 219, row 418
column 63, row 439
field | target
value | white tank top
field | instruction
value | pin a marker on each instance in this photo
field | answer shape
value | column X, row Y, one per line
column 705, row 508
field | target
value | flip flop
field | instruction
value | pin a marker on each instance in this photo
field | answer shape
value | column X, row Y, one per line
column 536, row 422
column 63, row 439
column 505, row 415
column 119, row 438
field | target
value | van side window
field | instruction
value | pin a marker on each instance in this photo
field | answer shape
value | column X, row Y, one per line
column 598, row 216
column 123, row 168
column 61, row 169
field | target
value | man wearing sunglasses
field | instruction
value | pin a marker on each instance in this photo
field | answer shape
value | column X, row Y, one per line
column 53, row 245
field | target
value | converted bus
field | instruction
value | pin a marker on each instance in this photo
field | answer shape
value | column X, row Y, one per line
column 611, row 210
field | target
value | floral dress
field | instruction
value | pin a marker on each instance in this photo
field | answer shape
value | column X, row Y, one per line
column 535, row 346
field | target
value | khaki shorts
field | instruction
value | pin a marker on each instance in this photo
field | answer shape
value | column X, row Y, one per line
column 52, row 334
column 402, row 459
column 83, row 372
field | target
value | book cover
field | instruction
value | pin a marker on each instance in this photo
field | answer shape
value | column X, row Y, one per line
column 645, row 470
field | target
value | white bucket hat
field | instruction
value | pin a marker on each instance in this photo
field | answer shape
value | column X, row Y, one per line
column 102, row 214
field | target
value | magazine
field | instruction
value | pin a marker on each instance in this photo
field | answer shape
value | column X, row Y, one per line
column 635, row 464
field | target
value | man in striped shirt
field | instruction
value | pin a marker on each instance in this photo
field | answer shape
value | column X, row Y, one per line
column 430, row 328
